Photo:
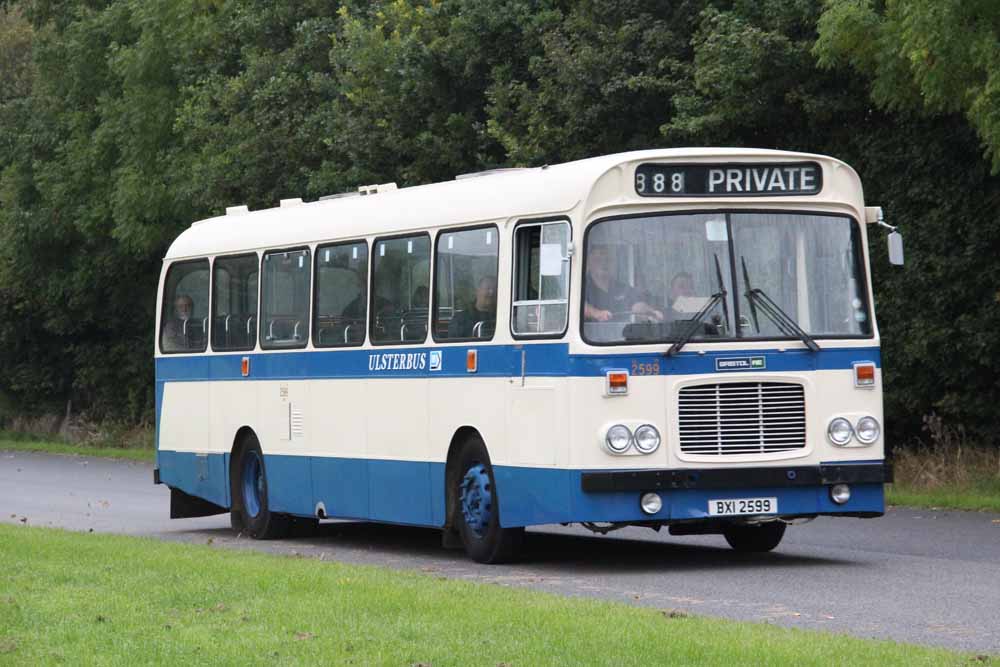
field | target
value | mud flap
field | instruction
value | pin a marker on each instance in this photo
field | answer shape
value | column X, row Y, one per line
column 185, row 506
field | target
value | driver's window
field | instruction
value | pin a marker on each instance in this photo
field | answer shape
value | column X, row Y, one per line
column 541, row 278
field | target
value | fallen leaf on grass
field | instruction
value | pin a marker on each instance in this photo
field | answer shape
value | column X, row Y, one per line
column 219, row 607
column 304, row 635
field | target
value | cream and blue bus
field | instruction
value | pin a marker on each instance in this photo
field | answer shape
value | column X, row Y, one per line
column 680, row 338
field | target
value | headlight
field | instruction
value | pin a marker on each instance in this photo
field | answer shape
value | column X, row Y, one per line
column 867, row 430
column 840, row 431
column 647, row 439
column 619, row 439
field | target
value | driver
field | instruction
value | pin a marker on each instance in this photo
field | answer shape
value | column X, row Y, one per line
column 606, row 296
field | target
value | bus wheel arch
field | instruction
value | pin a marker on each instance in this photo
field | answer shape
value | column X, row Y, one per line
column 472, row 502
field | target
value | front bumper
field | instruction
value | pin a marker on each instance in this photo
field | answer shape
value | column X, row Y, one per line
column 736, row 478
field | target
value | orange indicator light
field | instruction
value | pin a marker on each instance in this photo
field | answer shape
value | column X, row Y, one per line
column 472, row 361
column 617, row 383
column 245, row 366
column 864, row 375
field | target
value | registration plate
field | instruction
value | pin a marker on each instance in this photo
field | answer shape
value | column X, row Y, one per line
column 737, row 506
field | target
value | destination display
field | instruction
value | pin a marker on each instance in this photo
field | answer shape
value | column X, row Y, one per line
column 729, row 180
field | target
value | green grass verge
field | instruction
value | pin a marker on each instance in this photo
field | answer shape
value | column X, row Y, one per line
column 79, row 598
column 983, row 495
column 20, row 445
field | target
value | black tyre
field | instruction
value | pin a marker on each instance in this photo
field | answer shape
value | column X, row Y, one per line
column 250, row 509
column 476, row 508
column 755, row 538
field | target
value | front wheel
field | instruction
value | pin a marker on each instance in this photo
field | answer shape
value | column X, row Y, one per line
column 755, row 538
column 250, row 497
column 477, row 509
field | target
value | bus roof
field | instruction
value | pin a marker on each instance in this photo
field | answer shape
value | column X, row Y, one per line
column 494, row 196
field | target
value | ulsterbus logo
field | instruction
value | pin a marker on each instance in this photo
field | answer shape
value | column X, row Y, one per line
column 392, row 361
column 740, row 364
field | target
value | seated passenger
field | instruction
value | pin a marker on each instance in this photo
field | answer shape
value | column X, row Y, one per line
column 421, row 297
column 608, row 299
column 483, row 309
column 681, row 291
column 175, row 331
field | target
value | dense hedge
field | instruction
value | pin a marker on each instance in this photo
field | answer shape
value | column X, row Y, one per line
column 124, row 120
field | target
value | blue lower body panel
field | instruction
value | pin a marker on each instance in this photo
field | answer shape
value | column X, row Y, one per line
column 412, row 492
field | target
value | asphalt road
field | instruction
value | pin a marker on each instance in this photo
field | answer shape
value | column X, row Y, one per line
column 919, row 576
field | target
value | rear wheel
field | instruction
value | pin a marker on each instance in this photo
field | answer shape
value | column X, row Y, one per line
column 477, row 509
column 250, row 501
column 755, row 538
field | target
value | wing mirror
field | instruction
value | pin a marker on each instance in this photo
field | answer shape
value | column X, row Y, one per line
column 873, row 215
column 895, row 248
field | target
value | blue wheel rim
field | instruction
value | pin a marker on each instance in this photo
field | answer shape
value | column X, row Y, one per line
column 253, row 484
column 477, row 499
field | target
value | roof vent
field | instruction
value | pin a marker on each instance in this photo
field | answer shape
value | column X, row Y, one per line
column 339, row 195
column 237, row 210
column 490, row 172
column 375, row 189
column 288, row 203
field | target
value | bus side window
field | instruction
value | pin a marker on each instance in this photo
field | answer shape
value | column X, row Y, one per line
column 341, row 299
column 400, row 279
column 465, row 284
column 541, row 279
column 234, row 302
column 184, row 318
column 284, row 320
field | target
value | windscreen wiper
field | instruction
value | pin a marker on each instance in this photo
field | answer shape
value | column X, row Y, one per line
column 787, row 325
column 753, row 304
column 696, row 321
column 722, row 289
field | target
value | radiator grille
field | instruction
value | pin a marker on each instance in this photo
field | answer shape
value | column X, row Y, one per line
column 742, row 418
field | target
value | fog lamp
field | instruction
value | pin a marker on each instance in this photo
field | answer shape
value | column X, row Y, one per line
column 651, row 503
column 840, row 493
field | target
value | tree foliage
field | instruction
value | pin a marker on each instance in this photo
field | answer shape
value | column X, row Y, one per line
column 124, row 120
column 941, row 56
